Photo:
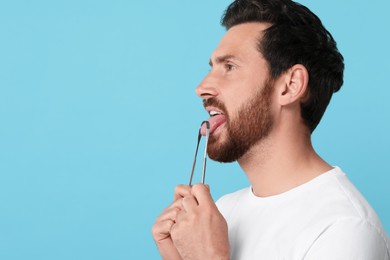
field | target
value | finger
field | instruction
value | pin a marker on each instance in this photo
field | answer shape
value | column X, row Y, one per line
column 180, row 216
column 176, row 204
column 202, row 194
column 161, row 230
column 181, row 191
column 168, row 214
column 189, row 204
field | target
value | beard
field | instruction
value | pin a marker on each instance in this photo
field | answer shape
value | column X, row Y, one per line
column 249, row 125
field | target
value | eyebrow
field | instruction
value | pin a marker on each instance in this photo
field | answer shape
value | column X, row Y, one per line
column 222, row 59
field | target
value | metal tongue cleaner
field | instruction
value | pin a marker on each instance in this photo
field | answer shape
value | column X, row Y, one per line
column 204, row 154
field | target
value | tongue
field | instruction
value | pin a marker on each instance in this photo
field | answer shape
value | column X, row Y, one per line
column 214, row 121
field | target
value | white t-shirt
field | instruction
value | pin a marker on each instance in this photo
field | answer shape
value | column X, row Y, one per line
column 325, row 218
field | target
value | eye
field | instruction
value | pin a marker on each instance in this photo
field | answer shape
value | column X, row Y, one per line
column 229, row 67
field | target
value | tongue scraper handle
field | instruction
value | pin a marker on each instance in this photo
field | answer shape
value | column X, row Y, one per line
column 204, row 154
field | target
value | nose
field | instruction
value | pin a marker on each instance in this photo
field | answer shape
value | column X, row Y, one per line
column 207, row 88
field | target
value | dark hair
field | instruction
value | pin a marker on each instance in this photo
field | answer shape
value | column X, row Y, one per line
column 296, row 36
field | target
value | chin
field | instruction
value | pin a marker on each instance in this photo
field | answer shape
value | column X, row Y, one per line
column 221, row 153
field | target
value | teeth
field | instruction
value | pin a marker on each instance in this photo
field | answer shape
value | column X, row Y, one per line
column 214, row 113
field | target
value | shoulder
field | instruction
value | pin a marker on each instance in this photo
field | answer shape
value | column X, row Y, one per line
column 352, row 229
column 334, row 196
column 350, row 238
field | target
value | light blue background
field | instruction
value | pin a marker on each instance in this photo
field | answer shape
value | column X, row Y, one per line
column 98, row 117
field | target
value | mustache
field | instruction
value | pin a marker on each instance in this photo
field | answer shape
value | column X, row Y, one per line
column 214, row 103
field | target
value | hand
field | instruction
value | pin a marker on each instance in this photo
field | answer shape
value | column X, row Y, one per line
column 162, row 227
column 200, row 231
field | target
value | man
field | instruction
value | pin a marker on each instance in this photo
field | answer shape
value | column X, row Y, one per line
column 271, row 79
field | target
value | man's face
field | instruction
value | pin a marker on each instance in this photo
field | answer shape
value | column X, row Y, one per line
column 238, row 91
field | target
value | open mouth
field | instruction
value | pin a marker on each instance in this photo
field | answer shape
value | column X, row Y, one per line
column 217, row 118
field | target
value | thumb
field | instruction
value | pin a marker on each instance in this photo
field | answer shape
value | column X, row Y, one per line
column 202, row 194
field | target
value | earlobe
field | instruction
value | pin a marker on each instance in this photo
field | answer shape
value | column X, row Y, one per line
column 294, row 86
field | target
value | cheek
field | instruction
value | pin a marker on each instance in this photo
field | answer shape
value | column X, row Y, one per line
column 236, row 94
column 236, row 101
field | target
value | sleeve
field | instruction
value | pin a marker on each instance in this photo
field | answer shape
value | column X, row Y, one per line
column 350, row 239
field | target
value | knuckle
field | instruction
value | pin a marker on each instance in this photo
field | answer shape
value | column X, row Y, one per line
column 159, row 218
column 177, row 189
column 196, row 186
column 186, row 198
column 174, row 231
column 162, row 227
column 175, row 205
column 155, row 230
column 181, row 189
column 199, row 187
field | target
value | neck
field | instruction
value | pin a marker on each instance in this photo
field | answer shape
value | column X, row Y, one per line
column 282, row 162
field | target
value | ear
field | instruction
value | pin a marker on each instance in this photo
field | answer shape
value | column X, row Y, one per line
column 294, row 85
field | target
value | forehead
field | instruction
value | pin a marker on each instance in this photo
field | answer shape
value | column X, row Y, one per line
column 241, row 40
